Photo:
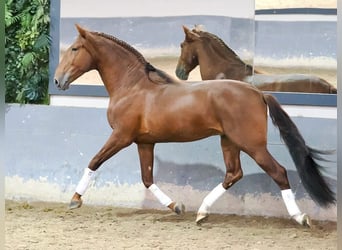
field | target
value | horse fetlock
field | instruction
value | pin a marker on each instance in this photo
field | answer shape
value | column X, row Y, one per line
column 303, row 219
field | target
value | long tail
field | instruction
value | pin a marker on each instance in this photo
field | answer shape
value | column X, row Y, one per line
column 302, row 155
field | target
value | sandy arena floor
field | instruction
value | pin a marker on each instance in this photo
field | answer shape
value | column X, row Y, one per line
column 52, row 226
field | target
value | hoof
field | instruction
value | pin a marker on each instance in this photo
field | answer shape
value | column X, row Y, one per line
column 75, row 204
column 201, row 217
column 304, row 220
column 179, row 208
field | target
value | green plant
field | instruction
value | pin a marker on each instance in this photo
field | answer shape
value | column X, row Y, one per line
column 27, row 44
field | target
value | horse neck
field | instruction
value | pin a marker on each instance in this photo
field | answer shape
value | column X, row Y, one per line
column 118, row 67
column 224, row 61
column 121, row 76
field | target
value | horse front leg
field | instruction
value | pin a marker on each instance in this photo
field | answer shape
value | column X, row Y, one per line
column 146, row 156
column 113, row 145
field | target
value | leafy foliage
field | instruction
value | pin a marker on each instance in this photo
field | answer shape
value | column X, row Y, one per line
column 27, row 46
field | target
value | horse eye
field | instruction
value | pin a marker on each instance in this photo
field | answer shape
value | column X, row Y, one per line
column 74, row 49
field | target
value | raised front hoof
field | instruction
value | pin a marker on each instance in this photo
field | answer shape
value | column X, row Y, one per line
column 75, row 204
column 201, row 218
column 179, row 208
column 304, row 220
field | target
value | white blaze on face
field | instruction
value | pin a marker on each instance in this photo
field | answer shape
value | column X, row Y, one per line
column 62, row 81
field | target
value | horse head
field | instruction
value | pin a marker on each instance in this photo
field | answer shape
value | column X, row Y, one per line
column 75, row 62
column 188, row 59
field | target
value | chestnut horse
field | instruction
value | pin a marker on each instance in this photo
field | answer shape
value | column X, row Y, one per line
column 147, row 106
column 217, row 61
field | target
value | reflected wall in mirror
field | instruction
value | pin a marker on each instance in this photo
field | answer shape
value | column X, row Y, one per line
column 155, row 28
column 297, row 50
column 297, row 37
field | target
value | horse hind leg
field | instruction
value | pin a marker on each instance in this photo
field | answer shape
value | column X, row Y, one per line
column 279, row 175
column 231, row 156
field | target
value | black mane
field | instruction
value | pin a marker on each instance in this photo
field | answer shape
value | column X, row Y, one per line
column 162, row 76
column 221, row 43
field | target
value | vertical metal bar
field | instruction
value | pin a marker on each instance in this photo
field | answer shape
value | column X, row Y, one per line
column 339, row 123
column 55, row 38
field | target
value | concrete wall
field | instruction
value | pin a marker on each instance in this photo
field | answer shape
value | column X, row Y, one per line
column 48, row 147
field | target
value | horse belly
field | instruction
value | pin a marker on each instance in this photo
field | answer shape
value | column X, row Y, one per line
column 176, row 135
column 180, row 125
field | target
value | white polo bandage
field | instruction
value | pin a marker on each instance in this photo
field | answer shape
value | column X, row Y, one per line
column 160, row 195
column 209, row 200
column 290, row 203
column 84, row 182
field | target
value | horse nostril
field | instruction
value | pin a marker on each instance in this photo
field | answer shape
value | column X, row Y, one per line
column 56, row 82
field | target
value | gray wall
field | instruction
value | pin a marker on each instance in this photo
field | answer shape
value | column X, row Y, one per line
column 48, row 147
column 273, row 39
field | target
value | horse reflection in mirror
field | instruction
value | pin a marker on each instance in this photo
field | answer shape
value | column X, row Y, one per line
column 217, row 61
column 147, row 106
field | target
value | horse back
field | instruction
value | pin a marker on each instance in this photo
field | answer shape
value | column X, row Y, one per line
column 291, row 83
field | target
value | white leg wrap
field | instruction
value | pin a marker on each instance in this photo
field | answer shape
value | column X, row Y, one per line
column 209, row 200
column 84, row 182
column 160, row 195
column 290, row 203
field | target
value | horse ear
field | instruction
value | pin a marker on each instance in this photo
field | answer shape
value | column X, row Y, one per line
column 81, row 31
column 189, row 35
column 186, row 29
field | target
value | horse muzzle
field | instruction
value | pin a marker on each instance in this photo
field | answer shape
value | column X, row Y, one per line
column 62, row 82
column 181, row 73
